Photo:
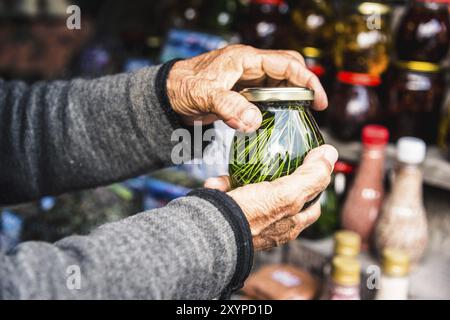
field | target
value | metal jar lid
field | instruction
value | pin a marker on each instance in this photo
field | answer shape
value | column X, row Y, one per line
column 278, row 94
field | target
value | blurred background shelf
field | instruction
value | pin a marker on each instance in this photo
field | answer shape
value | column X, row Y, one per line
column 436, row 168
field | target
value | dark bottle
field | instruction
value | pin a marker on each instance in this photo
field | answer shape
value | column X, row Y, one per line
column 424, row 31
column 218, row 16
column 355, row 103
column 312, row 26
column 416, row 91
column 444, row 132
column 311, row 33
column 262, row 26
column 185, row 14
column 363, row 38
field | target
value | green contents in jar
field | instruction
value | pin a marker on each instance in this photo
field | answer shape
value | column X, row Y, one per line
column 287, row 133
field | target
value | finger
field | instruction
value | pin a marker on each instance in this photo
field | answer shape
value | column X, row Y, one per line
column 306, row 218
column 236, row 111
column 311, row 178
column 284, row 67
column 296, row 55
column 221, row 183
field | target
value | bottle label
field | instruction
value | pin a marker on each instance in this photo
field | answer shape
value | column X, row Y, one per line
column 361, row 79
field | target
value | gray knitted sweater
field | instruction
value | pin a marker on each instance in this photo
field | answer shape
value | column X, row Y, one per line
column 67, row 135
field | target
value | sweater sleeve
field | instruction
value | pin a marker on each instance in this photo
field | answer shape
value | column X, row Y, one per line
column 197, row 247
column 67, row 135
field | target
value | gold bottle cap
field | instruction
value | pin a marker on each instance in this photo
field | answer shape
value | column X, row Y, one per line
column 370, row 8
column 347, row 243
column 419, row 66
column 396, row 262
column 346, row 271
column 311, row 52
column 278, row 94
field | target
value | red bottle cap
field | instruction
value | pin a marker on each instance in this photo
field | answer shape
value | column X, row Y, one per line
column 272, row 2
column 361, row 79
column 317, row 69
column 343, row 167
column 375, row 135
column 435, row 1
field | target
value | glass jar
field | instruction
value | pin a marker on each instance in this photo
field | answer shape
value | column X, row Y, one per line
column 355, row 103
column 311, row 33
column 444, row 132
column 262, row 25
column 424, row 32
column 363, row 38
column 287, row 133
column 416, row 93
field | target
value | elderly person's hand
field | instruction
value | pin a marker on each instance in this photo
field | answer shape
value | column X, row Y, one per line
column 201, row 88
column 273, row 208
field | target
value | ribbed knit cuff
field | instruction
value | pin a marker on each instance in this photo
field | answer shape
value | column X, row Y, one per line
column 243, row 236
column 161, row 92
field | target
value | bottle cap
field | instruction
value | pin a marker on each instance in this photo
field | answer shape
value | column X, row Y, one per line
column 435, row 1
column 419, row 66
column 361, row 79
column 343, row 167
column 375, row 135
column 272, row 2
column 346, row 271
column 278, row 94
column 411, row 150
column 396, row 262
column 347, row 243
column 370, row 8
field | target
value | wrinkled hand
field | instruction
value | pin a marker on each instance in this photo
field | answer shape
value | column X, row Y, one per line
column 200, row 89
column 273, row 208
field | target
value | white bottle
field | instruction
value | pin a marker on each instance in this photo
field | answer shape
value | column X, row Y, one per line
column 394, row 284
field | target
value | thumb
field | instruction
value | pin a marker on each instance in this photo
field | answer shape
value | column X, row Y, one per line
column 312, row 177
column 236, row 111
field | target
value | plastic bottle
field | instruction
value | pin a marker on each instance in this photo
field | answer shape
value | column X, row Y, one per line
column 394, row 284
column 402, row 223
column 363, row 203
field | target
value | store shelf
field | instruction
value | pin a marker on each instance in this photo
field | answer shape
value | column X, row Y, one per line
column 436, row 168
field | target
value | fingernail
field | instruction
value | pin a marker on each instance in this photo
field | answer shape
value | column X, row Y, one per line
column 331, row 155
column 250, row 117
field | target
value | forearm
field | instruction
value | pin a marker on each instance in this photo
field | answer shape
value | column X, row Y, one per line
column 67, row 135
column 194, row 248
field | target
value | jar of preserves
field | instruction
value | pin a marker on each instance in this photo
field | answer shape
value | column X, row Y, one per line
column 355, row 103
column 262, row 26
column 416, row 91
column 424, row 31
column 287, row 133
column 363, row 38
column 311, row 33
